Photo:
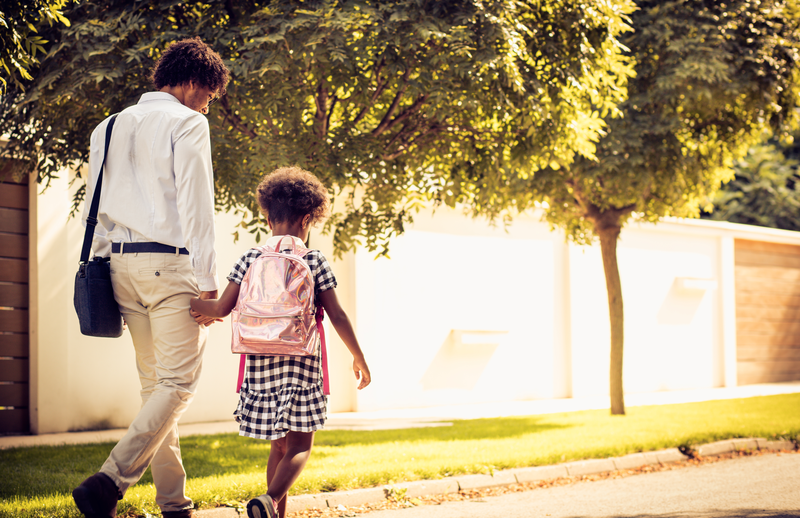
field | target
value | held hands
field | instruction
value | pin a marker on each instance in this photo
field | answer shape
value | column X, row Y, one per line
column 361, row 372
column 197, row 304
column 203, row 320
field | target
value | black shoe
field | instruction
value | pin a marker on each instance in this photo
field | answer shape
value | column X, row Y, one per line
column 97, row 497
column 262, row 507
column 184, row 513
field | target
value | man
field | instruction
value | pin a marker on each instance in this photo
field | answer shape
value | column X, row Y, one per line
column 156, row 221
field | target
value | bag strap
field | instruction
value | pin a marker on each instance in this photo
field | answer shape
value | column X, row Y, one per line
column 296, row 250
column 242, row 360
column 91, row 219
column 326, row 390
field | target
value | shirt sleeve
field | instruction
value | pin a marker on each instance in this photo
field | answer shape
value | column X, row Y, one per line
column 241, row 266
column 194, row 181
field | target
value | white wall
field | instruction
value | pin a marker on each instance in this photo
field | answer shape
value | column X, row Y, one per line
column 462, row 316
column 463, row 312
column 670, row 332
column 450, row 273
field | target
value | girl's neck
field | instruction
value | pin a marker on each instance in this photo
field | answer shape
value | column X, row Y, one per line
column 295, row 229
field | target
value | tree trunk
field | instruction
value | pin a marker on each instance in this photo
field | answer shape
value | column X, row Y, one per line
column 609, row 234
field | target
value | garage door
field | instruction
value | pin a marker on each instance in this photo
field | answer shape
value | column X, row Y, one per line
column 767, row 312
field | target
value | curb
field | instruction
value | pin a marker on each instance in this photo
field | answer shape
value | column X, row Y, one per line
column 372, row 495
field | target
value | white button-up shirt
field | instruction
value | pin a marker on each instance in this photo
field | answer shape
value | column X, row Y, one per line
column 158, row 184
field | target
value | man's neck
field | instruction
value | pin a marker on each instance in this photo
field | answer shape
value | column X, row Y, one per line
column 176, row 91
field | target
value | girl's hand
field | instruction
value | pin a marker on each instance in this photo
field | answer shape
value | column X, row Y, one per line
column 201, row 319
column 361, row 371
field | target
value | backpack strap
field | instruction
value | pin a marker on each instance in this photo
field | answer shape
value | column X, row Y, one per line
column 326, row 389
column 295, row 249
column 242, row 361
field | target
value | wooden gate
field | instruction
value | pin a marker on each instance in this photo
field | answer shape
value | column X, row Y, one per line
column 767, row 312
column 14, row 343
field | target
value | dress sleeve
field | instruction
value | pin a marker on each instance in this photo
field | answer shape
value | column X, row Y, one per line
column 241, row 266
column 323, row 275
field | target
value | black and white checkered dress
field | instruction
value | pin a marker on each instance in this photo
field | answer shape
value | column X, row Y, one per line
column 282, row 393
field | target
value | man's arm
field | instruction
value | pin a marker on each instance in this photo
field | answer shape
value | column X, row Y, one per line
column 194, row 180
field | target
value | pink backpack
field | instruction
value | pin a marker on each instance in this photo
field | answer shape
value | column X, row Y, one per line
column 274, row 313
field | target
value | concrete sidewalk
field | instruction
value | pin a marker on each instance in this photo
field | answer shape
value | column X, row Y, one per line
column 433, row 416
column 757, row 486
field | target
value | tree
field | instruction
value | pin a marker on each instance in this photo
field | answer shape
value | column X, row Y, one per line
column 19, row 43
column 377, row 97
column 765, row 190
column 710, row 78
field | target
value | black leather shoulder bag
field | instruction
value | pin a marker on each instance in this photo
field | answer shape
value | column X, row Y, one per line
column 97, row 309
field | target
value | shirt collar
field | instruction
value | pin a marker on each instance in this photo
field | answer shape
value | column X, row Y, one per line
column 158, row 96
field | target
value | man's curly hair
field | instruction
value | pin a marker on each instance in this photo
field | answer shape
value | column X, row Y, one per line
column 289, row 193
column 191, row 60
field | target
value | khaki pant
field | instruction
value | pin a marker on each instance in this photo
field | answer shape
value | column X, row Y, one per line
column 153, row 292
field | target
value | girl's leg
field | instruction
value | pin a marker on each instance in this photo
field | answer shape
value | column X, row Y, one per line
column 277, row 450
column 295, row 451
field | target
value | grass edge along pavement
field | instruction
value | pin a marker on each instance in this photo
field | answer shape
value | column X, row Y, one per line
column 38, row 480
column 421, row 488
column 413, row 494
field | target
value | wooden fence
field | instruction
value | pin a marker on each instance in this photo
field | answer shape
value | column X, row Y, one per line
column 767, row 312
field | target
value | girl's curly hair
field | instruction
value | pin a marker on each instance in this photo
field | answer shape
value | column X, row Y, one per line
column 191, row 60
column 289, row 193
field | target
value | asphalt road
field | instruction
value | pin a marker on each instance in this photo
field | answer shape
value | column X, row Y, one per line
column 751, row 487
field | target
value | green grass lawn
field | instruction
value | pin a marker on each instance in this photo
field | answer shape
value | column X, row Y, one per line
column 228, row 469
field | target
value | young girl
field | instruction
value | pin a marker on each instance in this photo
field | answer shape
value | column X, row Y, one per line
column 281, row 398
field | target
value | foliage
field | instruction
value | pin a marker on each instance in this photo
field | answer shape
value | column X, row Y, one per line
column 19, row 42
column 380, row 98
column 228, row 469
column 765, row 190
column 711, row 77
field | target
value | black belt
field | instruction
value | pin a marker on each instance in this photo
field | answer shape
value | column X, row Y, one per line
column 146, row 248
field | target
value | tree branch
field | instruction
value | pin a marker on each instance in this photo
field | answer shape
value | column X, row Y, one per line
column 235, row 120
column 321, row 117
column 386, row 121
column 334, row 100
column 380, row 86
column 415, row 106
column 605, row 218
column 420, row 139
column 234, row 16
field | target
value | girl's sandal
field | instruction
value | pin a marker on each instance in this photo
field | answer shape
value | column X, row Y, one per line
column 262, row 507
